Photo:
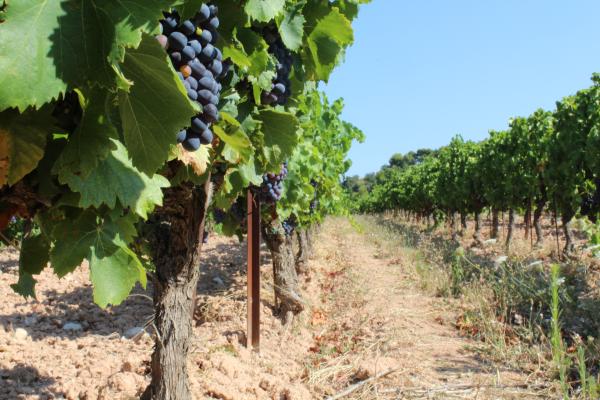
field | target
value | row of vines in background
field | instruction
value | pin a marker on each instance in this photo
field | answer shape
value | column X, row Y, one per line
column 547, row 162
column 91, row 114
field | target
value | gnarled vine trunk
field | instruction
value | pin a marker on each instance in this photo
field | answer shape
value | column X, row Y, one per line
column 495, row 224
column 511, row 227
column 288, row 301
column 569, row 246
column 303, row 251
column 537, row 222
column 175, row 233
column 527, row 220
column 463, row 223
column 477, row 235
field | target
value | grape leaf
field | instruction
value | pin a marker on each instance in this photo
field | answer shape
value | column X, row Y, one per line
column 90, row 142
column 116, row 178
column 66, row 43
column 155, row 108
column 75, row 237
column 114, row 274
column 264, row 10
column 198, row 159
column 280, row 135
column 291, row 29
column 326, row 42
column 25, row 45
column 22, row 142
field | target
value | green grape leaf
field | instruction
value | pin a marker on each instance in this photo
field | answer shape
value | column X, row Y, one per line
column 116, row 178
column 75, row 237
column 35, row 254
column 66, row 43
column 155, row 108
column 291, row 29
column 114, row 274
column 22, row 141
column 264, row 10
column 25, row 44
column 90, row 142
column 280, row 135
column 326, row 42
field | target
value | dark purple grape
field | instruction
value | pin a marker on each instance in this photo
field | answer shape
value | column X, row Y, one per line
column 204, row 96
column 187, row 28
column 198, row 125
column 176, row 58
column 191, row 143
column 211, row 114
column 206, row 137
column 198, row 68
column 192, row 82
column 214, row 23
column 203, row 13
column 279, row 89
column 177, row 41
column 216, row 67
column 181, row 135
column 205, row 37
column 188, row 53
column 194, row 44
column 208, row 53
column 214, row 99
column 214, row 10
column 192, row 94
column 206, row 83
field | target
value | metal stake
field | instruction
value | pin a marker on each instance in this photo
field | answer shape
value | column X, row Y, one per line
column 253, row 336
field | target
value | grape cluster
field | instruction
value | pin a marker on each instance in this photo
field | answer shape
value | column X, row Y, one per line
column 191, row 47
column 590, row 204
column 288, row 226
column 314, row 202
column 281, row 86
column 271, row 189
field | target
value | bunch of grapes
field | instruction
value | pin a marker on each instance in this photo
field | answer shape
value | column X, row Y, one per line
column 219, row 215
column 288, row 226
column 590, row 204
column 271, row 189
column 281, row 86
column 191, row 47
column 314, row 202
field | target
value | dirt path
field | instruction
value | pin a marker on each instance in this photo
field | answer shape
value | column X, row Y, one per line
column 412, row 333
column 364, row 316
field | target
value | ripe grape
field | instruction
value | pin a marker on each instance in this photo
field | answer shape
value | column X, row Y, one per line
column 206, row 137
column 191, row 143
column 177, row 41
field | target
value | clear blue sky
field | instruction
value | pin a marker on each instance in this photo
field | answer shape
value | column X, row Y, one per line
column 420, row 72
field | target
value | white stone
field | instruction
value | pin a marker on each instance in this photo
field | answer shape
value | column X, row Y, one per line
column 218, row 281
column 133, row 332
column 500, row 260
column 21, row 334
column 490, row 241
column 72, row 326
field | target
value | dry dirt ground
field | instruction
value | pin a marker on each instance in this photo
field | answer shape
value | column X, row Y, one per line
column 365, row 316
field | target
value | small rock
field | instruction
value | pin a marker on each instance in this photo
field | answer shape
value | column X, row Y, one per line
column 500, row 260
column 218, row 281
column 135, row 331
column 127, row 367
column 20, row 334
column 72, row 326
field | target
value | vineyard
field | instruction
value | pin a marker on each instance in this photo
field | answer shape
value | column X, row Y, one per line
column 177, row 223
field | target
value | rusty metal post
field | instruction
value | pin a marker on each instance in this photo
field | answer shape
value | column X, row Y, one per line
column 253, row 335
